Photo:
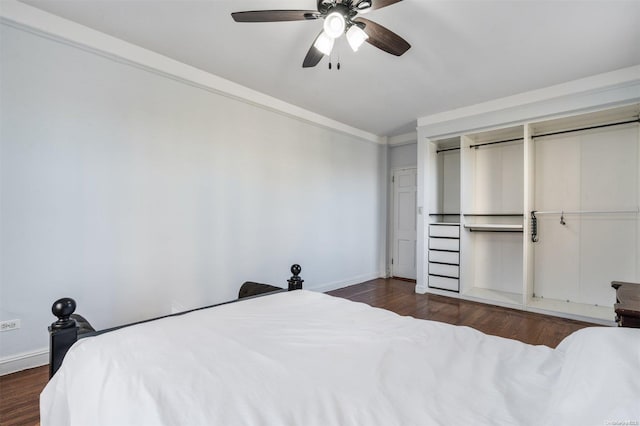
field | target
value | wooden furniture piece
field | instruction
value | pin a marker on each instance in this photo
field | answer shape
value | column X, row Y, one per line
column 71, row 327
column 627, row 305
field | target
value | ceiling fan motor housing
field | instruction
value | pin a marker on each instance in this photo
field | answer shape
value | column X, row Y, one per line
column 345, row 9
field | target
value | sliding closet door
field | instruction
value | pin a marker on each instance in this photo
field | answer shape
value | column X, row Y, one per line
column 586, row 192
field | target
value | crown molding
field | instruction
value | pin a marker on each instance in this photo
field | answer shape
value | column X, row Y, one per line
column 25, row 17
column 605, row 90
column 405, row 139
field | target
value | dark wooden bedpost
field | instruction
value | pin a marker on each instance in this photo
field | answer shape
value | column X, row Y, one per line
column 62, row 333
column 295, row 282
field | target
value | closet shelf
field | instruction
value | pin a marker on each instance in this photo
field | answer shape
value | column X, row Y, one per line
column 493, row 227
column 498, row 296
column 581, row 311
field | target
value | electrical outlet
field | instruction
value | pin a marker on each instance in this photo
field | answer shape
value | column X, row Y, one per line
column 10, row 325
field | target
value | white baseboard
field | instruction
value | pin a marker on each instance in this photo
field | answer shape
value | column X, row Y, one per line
column 346, row 283
column 24, row 361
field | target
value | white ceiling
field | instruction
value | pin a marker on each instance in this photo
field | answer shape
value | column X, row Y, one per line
column 463, row 52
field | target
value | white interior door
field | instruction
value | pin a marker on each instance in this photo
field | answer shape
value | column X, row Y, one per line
column 403, row 262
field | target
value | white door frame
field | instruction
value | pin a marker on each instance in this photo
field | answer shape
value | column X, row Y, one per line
column 390, row 209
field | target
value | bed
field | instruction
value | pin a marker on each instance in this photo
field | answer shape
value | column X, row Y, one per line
column 306, row 358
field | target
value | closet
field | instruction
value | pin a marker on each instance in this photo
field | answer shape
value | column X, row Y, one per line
column 540, row 216
column 443, row 245
column 492, row 214
column 585, row 210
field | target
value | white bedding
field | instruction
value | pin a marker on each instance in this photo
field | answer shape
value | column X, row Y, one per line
column 304, row 358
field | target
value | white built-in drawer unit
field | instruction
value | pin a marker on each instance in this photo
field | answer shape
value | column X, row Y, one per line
column 452, row 271
column 444, row 256
column 447, row 231
column 449, row 257
column 450, row 244
column 444, row 283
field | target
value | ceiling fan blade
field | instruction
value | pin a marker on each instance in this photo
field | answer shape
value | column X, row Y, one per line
column 313, row 55
column 383, row 38
column 275, row 15
column 379, row 4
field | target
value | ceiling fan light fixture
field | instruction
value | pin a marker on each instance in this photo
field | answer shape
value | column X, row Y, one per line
column 356, row 36
column 324, row 43
column 334, row 24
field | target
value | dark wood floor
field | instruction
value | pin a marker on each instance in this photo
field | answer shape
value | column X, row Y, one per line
column 19, row 394
column 19, row 391
column 400, row 297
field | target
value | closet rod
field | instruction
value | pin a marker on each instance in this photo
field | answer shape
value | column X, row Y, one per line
column 493, row 214
column 534, row 218
column 587, row 211
column 493, row 143
column 446, row 149
column 637, row 120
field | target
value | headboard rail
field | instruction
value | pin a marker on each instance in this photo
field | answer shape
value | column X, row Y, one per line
column 70, row 327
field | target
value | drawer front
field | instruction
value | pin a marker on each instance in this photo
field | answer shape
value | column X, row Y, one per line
column 444, row 283
column 450, row 231
column 444, row 244
column 444, row 257
column 446, row 270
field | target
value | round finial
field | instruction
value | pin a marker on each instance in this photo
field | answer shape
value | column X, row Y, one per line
column 296, row 269
column 295, row 282
column 63, row 308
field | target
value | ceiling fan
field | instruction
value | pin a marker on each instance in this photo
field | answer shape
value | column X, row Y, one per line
column 340, row 17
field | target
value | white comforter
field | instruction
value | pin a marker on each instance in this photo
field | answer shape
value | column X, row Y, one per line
column 304, row 358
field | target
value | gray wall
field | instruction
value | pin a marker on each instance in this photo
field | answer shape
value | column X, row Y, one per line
column 135, row 193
